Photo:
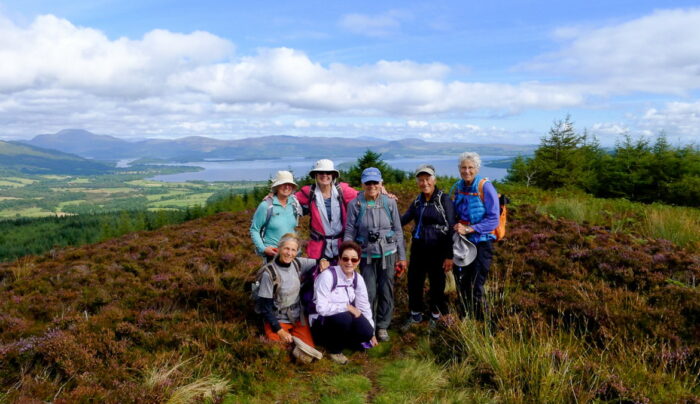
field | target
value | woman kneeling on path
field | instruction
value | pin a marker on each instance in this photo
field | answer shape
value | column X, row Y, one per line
column 344, row 319
column 278, row 293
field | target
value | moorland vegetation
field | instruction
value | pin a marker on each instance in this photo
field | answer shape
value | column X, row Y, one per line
column 593, row 300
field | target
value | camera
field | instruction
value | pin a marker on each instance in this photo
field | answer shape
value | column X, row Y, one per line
column 373, row 236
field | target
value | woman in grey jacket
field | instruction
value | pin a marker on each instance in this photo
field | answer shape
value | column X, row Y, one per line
column 374, row 223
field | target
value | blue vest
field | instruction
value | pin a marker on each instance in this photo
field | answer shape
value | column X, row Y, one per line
column 470, row 208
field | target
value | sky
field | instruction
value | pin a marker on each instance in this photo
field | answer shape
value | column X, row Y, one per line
column 497, row 72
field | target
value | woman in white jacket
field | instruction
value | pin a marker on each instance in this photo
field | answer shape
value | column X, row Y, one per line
column 344, row 319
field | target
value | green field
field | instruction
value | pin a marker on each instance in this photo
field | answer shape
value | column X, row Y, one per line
column 53, row 195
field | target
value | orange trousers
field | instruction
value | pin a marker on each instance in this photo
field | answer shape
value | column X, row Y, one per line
column 302, row 332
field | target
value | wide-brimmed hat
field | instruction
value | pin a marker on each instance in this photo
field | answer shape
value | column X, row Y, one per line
column 283, row 177
column 371, row 174
column 305, row 352
column 324, row 166
column 425, row 169
column 464, row 251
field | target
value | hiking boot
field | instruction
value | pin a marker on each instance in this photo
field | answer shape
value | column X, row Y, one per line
column 338, row 358
column 412, row 320
column 382, row 335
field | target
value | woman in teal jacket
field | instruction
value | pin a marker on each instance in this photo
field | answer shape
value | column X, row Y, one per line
column 275, row 216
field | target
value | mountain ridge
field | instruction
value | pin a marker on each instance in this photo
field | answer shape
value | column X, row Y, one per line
column 195, row 148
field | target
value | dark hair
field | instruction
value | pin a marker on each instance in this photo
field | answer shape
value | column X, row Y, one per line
column 350, row 245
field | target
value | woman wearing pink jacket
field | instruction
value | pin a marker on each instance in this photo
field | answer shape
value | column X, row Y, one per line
column 326, row 203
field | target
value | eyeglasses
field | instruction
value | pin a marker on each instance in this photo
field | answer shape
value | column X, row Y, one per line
column 370, row 183
column 354, row 260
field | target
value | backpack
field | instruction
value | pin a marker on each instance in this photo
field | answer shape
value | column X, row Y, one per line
column 441, row 209
column 362, row 203
column 297, row 212
column 500, row 231
column 307, row 293
column 270, row 269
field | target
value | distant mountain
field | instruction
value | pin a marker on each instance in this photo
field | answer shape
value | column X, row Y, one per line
column 197, row 148
column 15, row 156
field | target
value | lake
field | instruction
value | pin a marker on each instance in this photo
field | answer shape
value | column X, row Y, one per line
column 262, row 170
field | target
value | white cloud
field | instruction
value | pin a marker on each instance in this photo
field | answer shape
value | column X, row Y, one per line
column 373, row 25
column 658, row 53
column 679, row 120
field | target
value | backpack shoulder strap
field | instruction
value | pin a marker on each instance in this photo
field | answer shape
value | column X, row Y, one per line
column 453, row 190
column 387, row 209
column 269, row 268
column 268, row 216
column 362, row 204
column 335, row 279
column 439, row 207
column 297, row 266
column 481, row 188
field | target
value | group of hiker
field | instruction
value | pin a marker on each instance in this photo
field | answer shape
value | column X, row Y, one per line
column 342, row 295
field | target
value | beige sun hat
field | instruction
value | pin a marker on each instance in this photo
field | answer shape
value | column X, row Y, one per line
column 324, row 165
column 305, row 352
column 283, row 177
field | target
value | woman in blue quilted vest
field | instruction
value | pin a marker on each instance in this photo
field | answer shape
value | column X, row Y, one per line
column 477, row 211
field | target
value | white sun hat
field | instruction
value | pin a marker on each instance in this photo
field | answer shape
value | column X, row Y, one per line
column 283, row 177
column 464, row 251
column 324, row 165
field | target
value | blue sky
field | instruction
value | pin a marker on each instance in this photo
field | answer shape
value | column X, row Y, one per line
column 439, row 70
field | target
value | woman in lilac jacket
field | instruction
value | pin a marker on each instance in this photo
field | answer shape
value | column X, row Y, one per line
column 344, row 319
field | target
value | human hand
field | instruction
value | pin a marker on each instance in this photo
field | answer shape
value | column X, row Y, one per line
column 374, row 341
column 354, row 311
column 270, row 251
column 323, row 264
column 385, row 192
column 285, row 336
column 399, row 269
column 463, row 229
column 447, row 265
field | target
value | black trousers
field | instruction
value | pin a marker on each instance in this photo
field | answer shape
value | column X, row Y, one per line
column 425, row 261
column 471, row 279
column 341, row 331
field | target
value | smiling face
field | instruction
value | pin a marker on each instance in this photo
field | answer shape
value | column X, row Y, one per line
column 348, row 261
column 426, row 183
column 288, row 251
column 284, row 190
column 372, row 190
column 468, row 170
column 324, row 177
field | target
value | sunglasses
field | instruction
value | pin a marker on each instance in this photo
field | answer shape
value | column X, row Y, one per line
column 354, row 260
column 325, row 172
column 370, row 183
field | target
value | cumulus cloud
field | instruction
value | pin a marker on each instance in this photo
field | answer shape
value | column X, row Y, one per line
column 677, row 119
column 658, row 53
column 53, row 53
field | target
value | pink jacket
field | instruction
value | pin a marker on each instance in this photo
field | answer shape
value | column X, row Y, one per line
column 314, row 248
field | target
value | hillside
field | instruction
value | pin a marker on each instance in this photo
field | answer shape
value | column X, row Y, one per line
column 145, row 317
column 34, row 160
column 195, row 148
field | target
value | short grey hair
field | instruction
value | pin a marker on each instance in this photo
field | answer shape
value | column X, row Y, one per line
column 470, row 156
column 287, row 238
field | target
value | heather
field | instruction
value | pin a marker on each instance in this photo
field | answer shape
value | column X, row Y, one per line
column 580, row 312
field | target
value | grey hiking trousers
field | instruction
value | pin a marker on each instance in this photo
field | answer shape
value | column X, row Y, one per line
column 380, row 287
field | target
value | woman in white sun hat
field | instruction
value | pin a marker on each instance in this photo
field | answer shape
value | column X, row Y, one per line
column 326, row 203
column 275, row 216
